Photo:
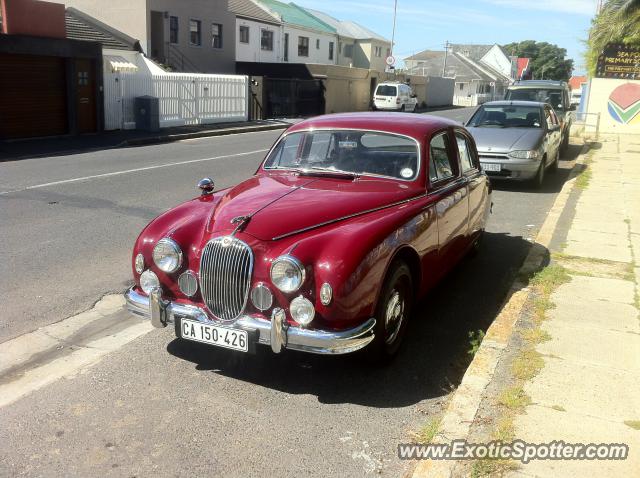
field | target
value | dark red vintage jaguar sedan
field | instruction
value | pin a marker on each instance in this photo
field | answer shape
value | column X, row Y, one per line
column 348, row 221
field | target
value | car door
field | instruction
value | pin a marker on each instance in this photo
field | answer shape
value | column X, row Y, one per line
column 553, row 132
column 478, row 187
column 452, row 206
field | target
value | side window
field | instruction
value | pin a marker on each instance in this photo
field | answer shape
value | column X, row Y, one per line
column 440, row 164
column 465, row 152
column 549, row 118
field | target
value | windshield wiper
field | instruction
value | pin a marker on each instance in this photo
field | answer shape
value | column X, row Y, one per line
column 336, row 173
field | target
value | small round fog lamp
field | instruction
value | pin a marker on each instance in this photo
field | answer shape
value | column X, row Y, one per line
column 302, row 311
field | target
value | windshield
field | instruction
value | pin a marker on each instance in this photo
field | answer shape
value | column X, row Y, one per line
column 386, row 90
column 507, row 117
column 350, row 151
column 543, row 95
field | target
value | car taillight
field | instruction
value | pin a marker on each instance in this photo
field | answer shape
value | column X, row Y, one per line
column 397, row 101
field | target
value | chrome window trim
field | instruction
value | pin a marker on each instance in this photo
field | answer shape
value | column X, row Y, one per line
column 365, row 130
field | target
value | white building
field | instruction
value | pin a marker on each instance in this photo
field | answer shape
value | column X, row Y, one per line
column 305, row 38
column 258, row 33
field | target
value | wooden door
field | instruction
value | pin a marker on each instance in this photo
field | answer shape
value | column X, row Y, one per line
column 86, row 96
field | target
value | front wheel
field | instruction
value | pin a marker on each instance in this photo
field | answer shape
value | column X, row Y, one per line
column 392, row 314
column 538, row 180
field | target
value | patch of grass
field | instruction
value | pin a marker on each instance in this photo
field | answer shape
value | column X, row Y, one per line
column 550, row 278
column 505, row 429
column 558, row 408
column 514, row 398
column 536, row 336
column 582, row 181
column 527, row 364
column 635, row 424
column 428, row 431
column 489, row 467
column 475, row 339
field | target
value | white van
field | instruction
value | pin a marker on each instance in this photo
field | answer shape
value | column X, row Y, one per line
column 394, row 97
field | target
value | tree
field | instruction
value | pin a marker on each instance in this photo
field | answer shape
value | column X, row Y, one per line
column 547, row 61
column 617, row 22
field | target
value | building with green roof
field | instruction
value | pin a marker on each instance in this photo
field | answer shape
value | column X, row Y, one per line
column 306, row 38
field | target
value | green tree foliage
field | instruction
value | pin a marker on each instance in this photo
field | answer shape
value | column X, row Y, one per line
column 547, row 60
column 617, row 22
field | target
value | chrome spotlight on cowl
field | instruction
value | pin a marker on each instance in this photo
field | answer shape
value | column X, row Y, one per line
column 206, row 186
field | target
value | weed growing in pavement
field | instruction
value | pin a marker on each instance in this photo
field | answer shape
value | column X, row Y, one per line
column 428, row 431
column 559, row 408
column 514, row 398
column 475, row 339
column 527, row 364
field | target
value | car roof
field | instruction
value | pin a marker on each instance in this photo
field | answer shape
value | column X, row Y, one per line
column 514, row 103
column 408, row 124
column 539, row 84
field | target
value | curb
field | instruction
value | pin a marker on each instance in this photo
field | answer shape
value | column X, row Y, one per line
column 461, row 411
column 201, row 134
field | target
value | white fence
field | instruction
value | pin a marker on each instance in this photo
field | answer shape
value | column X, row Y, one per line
column 185, row 99
column 472, row 100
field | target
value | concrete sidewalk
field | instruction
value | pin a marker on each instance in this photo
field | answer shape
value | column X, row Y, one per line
column 588, row 390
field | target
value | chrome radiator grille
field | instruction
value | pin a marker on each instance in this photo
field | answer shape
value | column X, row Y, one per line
column 225, row 276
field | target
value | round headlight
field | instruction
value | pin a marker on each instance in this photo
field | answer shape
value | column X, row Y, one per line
column 287, row 273
column 149, row 281
column 302, row 311
column 167, row 255
column 261, row 297
column 139, row 263
column 326, row 293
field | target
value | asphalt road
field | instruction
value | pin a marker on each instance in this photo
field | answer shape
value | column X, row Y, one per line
column 158, row 406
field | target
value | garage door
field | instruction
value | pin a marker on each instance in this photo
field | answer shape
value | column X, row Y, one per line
column 33, row 90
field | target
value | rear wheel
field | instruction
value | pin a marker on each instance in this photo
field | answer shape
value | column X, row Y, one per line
column 392, row 314
column 402, row 108
column 565, row 144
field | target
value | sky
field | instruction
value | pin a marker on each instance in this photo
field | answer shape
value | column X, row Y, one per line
column 427, row 24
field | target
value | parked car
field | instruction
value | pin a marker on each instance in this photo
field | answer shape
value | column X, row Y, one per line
column 576, row 96
column 517, row 139
column 347, row 222
column 394, row 97
column 555, row 93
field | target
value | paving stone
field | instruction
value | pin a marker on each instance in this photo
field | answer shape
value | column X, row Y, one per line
column 600, row 314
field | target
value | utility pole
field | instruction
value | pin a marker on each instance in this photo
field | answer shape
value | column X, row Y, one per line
column 446, row 52
column 393, row 34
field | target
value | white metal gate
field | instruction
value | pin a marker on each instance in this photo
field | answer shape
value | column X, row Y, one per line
column 184, row 98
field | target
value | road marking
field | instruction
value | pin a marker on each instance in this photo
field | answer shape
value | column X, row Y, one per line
column 63, row 349
column 128, row 171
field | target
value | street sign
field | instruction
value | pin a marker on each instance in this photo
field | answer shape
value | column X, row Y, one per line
column 390, row 60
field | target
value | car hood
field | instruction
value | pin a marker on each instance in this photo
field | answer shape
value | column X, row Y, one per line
column 283, row 204
column 503, row 140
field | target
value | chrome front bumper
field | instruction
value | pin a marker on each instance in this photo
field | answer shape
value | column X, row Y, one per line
column 275, row 332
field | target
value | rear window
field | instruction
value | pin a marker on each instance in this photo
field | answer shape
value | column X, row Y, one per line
column 543, row 95
column 387, row 90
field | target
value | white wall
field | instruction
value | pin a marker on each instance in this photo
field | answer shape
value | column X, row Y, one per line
column 252, row 51
column 315, row 55
column 497, row 60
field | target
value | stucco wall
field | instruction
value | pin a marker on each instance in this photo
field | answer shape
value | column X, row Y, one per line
column 205, row 57
column 316, row 55
column 618, row 102
column 127, row 16
column 252, row 51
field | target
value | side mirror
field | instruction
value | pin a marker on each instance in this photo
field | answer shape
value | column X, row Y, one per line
column 206, row 186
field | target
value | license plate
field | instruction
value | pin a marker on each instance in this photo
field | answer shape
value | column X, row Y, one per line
column 214, row 335
column 493, row 167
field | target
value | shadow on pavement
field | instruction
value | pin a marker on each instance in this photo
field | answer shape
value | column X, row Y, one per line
column 434, row 356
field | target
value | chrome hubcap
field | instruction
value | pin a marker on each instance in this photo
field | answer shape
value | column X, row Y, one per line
column 394, row 316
